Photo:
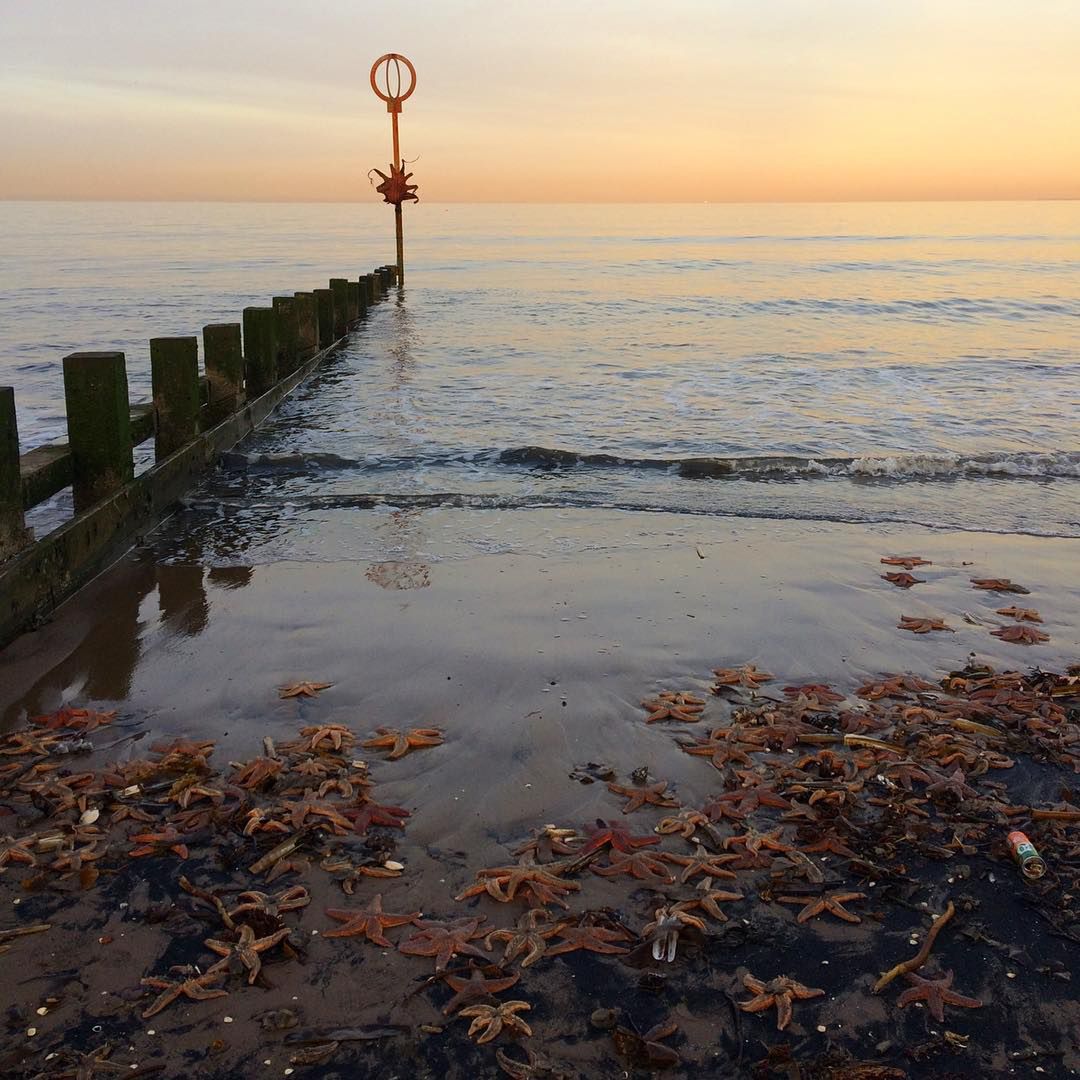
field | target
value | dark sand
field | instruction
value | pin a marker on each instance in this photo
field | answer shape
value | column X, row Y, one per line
column 532, row 661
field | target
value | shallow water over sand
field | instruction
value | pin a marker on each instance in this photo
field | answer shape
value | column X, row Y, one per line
column 848, row 362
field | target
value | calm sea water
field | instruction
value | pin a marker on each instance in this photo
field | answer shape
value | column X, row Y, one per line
column 856, row 362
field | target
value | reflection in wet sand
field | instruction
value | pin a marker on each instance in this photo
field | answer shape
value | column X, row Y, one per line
column 399, row 575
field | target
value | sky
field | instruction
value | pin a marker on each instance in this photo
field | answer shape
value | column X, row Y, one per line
column 560, row 101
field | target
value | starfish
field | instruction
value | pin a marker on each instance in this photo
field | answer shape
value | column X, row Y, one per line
column 831, row 902
column 183, row 755
column 908, row 562
column 618, row 837
column 287, row 866
column 639, row 864
column 187, row 793
column 538, row 1067
column 673, row 706
column 922, row 626
column 747, row 676
column 300, row 809
column 400, row 744
column 303, row 689
column 954, row 784
column 77, row 719
column 903, row 580
column 1022, row 635
column 718, row 807
column 91, row 1062
column 151, row 843
column 685, row 823
column 1022, row 614
column 369, row 922
column 781, row 992
column 998, row 585
column 548, row 842
column 819, row 693
column 711, row 899
column 752, row 797
column 489, row 1020
column 257, row 772
column 598, row 939
column 719, row 751
column 444, row 940
column 29, row 742
column 833, row 845
column 527, row 938
column 292, row 899
column 754, row 841
column 502, row 882
column 702, row 862
column 198, row 988
column 477, row 987
column 370, row 813
column 333, row 736
column 311, row 768
column 893, row 686
column 637, row 797
column 15, row 851
column 246, row 949
column 668, row 922
column 936, row 993
column 646, row 1051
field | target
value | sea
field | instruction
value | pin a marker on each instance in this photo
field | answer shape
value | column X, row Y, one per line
column 857, row 362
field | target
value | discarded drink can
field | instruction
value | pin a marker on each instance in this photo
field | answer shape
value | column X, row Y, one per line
column 1031, row 863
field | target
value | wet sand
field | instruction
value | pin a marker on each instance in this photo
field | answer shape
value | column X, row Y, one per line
column 533, row 661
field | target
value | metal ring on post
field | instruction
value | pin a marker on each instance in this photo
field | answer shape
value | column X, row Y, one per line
column 393, row 95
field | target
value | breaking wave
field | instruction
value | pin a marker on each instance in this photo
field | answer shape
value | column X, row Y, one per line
column 1027, row 465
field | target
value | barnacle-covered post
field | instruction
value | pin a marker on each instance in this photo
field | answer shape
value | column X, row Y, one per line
column 388, row 84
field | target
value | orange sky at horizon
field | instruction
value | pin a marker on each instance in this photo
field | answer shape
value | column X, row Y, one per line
column 776, row 100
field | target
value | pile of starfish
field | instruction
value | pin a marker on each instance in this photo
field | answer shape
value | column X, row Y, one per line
column 819, row 795
column 302, row 804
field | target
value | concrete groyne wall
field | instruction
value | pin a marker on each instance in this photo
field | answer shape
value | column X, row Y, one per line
column 248, row 368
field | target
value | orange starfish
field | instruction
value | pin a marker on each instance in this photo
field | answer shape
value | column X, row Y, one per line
column 637, row 797
column 922, row 626
column 1020, row 634
column 747, row 676
column 370, row 922
column 903, row 580
column 781, row 992
column 831, row 902
column 303, row 689
column 673, row 706
column 400, row 743
column 908, row 562
column 936, row 993
column 1021, row 614
column 998, row 585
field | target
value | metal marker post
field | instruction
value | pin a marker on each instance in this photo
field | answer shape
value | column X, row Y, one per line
column 387, row 82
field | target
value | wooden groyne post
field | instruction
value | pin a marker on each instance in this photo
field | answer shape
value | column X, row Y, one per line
column 249, row 367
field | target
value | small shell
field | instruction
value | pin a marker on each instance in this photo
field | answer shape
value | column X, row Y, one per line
column 89, row 816
column 391, row 865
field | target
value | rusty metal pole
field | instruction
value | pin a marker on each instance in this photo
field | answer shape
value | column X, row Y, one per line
column 399, row 233
column 395, row 188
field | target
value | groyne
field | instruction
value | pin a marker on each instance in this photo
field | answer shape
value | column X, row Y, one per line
column 248, row 368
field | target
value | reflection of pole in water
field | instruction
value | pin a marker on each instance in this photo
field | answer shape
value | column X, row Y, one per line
column 182, row 598
column 388, row 84
column 401, row 573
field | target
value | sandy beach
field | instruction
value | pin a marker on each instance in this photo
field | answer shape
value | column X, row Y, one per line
column 533, row 662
